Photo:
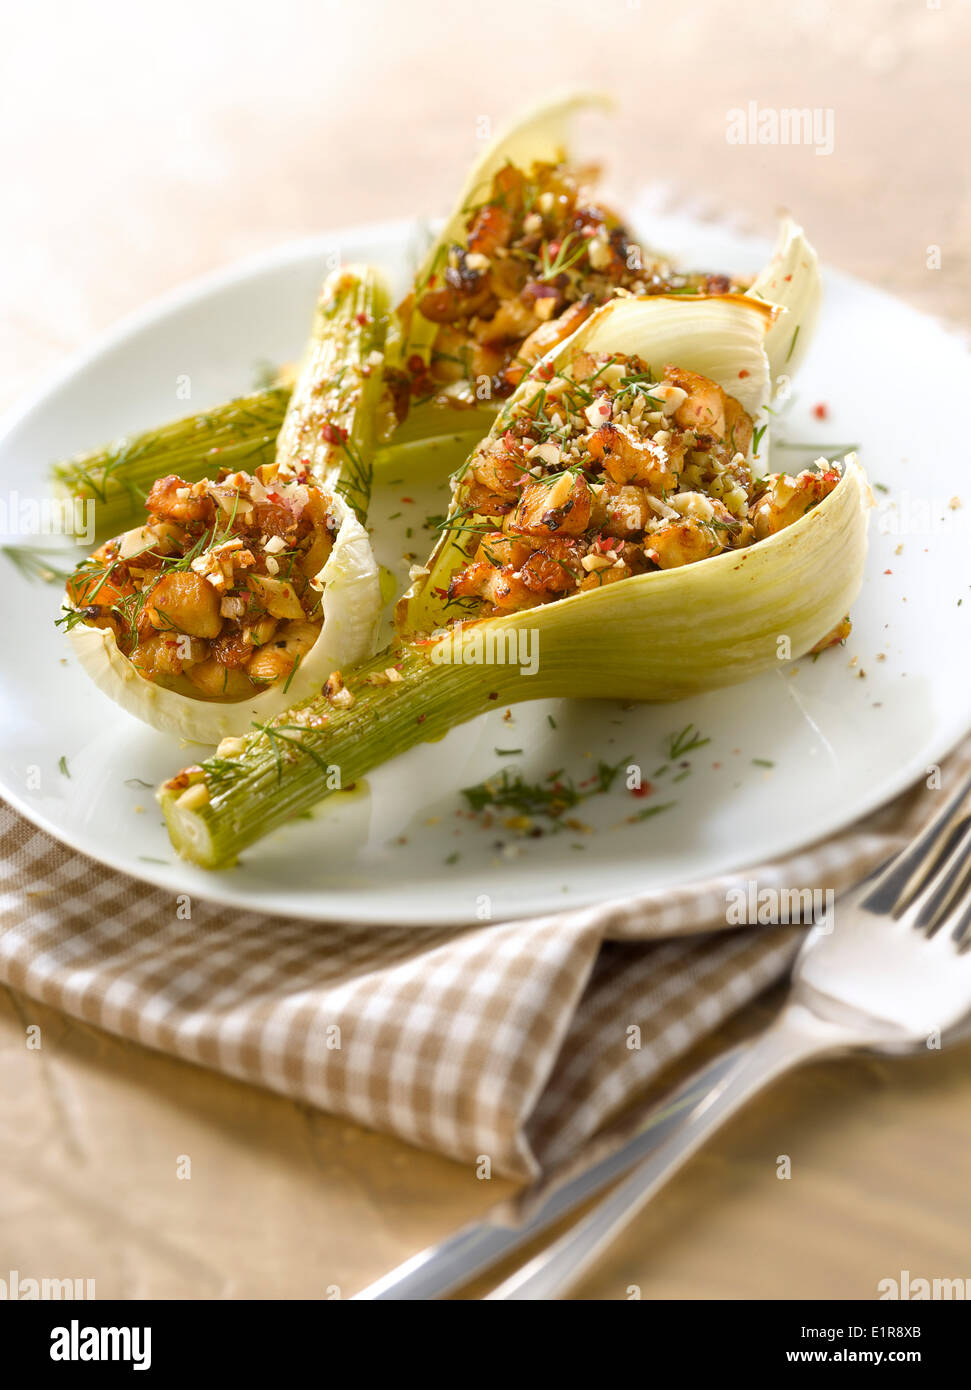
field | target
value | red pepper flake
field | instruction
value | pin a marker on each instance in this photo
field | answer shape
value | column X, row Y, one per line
column 645, row 790
column 544, row 372
column 421, row 719
column 363, row 319
column 407, row 499
column 494, row 695
column 333, row 433
column 416, row 364
column 787, row 278
column 443, row 593
column 821, row 411
column 888, row 571
column 605, row 545
column 744, row 372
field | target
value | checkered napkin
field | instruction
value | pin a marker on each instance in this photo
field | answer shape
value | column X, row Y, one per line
column 519, row 1040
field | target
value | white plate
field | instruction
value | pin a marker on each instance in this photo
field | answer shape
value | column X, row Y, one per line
column 839, row 742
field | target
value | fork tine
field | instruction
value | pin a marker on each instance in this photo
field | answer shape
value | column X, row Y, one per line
column 944, row 893
column 961, row 931
column 903, row 877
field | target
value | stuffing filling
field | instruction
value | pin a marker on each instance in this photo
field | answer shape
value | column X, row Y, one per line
column 217, row 595
column 541, row 253
column 606, row 471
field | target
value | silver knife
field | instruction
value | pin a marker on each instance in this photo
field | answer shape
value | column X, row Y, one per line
column 442, row 1268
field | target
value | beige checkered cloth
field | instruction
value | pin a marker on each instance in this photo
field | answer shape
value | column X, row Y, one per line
column 509, row 1040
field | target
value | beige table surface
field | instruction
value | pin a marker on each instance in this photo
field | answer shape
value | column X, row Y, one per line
column 142, row 145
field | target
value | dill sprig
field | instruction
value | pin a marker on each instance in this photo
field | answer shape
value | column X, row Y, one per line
column 549, row 799
column 33, row 563
column 564, row 258
column 277, row 734
column 685, row 741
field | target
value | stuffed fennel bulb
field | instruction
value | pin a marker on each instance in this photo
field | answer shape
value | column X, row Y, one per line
column 528, row 254
column 242, row 594
column 612, row 516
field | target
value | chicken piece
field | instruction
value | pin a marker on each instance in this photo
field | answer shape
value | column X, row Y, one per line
column 497, row 559
column 172, row 499
column 271, row 664
column 703, row 408
column 169, row 538
column 609, row 561
column 457, row 357
column 484, row 502
column 181, row 602
column 509, row 276
column 500, row 586
column 449, row 359
column 554, row 568
column 299, row 636
column 599, row 578
column 158, row 656
column 738, row 426
column 496, row 473
column 512, row 573
column 466, row 289
column 786, row 499
column 458, row 298
column 707, row 409
column 548, row 336
column 681, row 543
column 508, row 187
column 261, row 630
column 627, row 510
column 512, row 321
column 553, row 506
column 218, row 682
column 583, row 366
column 277, row 659
column 490, row 229
column 102, row 581
column 502, row 551
column 630, row 460
column 486, row 360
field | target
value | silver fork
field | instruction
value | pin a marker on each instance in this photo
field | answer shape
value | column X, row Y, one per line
column 889, row 971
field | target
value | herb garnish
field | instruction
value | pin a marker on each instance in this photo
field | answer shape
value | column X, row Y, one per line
column 686, row 741
column 548, row 799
